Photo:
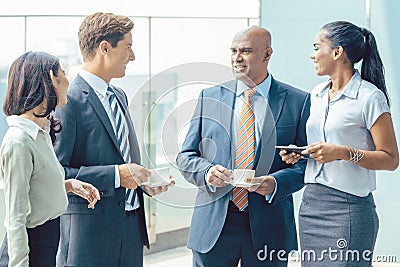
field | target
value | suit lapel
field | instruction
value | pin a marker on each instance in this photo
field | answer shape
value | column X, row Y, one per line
column 226, row 113
column 265, row 153
column 95, row 103
column 276, row 98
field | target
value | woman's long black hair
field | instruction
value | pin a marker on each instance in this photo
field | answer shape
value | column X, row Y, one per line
column 359, row 43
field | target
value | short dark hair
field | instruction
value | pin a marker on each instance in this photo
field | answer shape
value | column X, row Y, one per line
column 359, row 44
column 29, row 84
column 99, row 27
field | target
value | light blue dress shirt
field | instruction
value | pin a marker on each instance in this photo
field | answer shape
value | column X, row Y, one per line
column 346, row 120
column 260, row 106
column 100, row 88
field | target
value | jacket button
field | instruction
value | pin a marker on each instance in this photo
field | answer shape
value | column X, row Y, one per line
column 102, row 193
column 121, row 203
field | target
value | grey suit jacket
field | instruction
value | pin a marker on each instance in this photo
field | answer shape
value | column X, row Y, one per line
column 88, row 150
column 210, row 141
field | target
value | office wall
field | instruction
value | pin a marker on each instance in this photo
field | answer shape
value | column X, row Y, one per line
column 385, row 23
column 293, row 25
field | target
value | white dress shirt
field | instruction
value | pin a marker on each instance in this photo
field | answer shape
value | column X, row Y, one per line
column 346, row 120
column 100, row 88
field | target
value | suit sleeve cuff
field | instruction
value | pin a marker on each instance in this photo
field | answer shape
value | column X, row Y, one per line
column 270, row 198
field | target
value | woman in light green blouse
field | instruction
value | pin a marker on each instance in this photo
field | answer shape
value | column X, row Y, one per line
column 34, row 185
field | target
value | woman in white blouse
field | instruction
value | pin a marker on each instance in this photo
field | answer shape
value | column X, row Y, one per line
column 350, row 135
column 34, row 185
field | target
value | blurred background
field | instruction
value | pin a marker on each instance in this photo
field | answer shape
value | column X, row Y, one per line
column 182, row 47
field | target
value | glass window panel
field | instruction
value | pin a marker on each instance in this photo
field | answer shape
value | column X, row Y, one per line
column 293, row 30
column 12, row 46
column 64, row 44
column 151, row 103
column 57, row 36
column 254, row 21
column 187, row 40
column 12, row 29
column 178, row 45
column 220, row 8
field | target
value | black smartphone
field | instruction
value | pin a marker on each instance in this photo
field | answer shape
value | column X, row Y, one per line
column 296, row 149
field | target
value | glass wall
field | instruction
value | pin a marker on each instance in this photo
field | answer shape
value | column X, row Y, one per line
column 170, row 52
column 293, row 30
column 11, row 47
column 175, row 49
column 172, row 40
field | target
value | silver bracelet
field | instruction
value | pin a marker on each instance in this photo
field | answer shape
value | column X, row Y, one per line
column 355, row 154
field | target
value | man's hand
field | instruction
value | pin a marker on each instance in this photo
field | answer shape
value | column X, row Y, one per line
column 156, row 190
column 133, row 175
column 266, row 185
column 291, row 157
column 218, row 176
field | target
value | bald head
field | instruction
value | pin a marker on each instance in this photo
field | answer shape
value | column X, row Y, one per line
column 255, row 33
column 251, row 52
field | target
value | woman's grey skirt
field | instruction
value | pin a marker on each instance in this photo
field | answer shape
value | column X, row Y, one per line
column 336, row 228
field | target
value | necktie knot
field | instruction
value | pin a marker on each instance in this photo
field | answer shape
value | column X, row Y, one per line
column 111, row 98
column 249, row 93
column 110, row 92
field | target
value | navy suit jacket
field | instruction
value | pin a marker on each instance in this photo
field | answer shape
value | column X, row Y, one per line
column 88, row 150
column 210, row 142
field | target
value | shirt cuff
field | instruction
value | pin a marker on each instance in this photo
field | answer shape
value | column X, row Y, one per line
column 212, row 188
column 117, row 183
column 270, row 198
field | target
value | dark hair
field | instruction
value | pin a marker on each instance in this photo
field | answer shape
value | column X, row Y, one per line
column 29, row 83
column 99, row 27
column 358, row 43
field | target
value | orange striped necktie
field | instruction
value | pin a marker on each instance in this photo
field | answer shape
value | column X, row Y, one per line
column 245, row 147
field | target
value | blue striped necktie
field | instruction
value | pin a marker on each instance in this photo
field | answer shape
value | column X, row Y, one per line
column 121, row 132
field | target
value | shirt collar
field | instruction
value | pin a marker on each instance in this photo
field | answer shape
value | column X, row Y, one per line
column 350, row 90
column 262, row 88
column 97, row 83
column 30, row 127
